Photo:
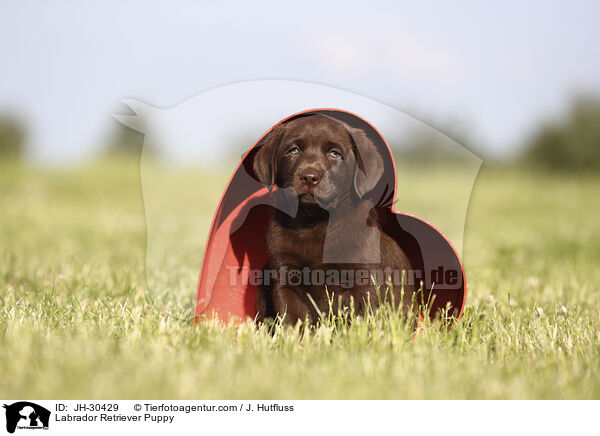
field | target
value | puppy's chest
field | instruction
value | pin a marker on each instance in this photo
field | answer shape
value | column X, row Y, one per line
column 296, row 247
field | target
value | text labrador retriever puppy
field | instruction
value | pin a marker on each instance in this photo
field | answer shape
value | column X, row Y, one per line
column 329, row 251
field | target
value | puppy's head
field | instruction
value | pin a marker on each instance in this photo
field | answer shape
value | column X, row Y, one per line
column 322, row 159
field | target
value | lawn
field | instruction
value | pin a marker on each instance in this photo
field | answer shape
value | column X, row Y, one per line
column 76, row 321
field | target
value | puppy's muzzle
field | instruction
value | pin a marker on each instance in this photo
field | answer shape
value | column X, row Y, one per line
column 310, row 178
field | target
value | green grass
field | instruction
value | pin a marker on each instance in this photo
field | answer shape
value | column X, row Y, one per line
column 75, row 321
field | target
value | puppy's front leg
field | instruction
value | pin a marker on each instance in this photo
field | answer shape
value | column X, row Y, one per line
column 287, row 301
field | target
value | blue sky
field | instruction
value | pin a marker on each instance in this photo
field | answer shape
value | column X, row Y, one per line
column 494, row 69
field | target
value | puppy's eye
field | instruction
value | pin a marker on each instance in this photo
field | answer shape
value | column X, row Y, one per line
column 334, row 154
column 293, row 151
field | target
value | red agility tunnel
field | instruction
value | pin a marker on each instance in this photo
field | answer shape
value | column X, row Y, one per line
column 236, row 244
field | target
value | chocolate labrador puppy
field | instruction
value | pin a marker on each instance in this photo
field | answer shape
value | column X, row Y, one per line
column 333, row 250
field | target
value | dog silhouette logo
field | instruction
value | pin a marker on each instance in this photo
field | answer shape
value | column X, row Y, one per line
column 26, row 415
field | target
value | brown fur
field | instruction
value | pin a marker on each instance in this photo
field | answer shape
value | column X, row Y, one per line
column 334, row 210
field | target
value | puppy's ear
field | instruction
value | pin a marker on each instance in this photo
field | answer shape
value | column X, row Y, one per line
column 265, row 160
column 369, row 164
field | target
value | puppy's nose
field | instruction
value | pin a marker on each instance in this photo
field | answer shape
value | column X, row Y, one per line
column 310, row 177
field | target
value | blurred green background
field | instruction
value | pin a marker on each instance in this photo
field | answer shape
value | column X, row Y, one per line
column 76, row 321
column 517, row 83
